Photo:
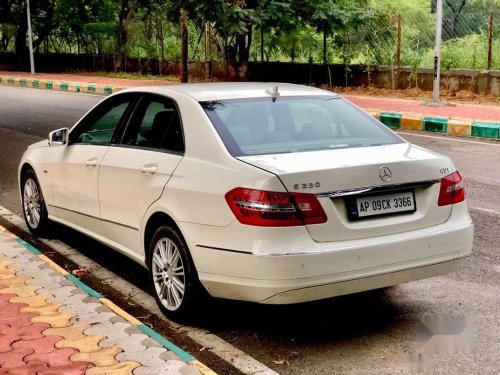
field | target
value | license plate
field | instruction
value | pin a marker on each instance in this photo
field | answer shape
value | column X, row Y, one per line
column 385, row 204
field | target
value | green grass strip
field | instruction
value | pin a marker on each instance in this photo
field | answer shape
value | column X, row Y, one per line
column 91, row 292
column 185, row 356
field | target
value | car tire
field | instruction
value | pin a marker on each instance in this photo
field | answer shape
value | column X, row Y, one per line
column 33, row 204
column 175, row 282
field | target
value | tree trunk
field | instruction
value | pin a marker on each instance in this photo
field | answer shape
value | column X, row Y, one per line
column 20, row 42
column 324, row 48
column 184, row 46
column 261, row 43
column 124, row 19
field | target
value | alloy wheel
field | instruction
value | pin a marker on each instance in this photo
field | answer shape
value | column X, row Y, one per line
column 32, row 203
column 168, row 274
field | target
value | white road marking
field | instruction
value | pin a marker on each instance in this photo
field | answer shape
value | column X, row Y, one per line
column 450, row 139
column 224, row 350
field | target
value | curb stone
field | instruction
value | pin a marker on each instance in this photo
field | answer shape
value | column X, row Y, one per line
column 435, row 124
column 59, row 85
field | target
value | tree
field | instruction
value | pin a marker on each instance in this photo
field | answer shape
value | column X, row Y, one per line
column 44, row 20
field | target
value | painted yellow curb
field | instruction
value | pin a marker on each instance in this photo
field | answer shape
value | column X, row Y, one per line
column 411, row 122
column 53, row 265
column 125, row 315
column 202, row 368
column 459, row 127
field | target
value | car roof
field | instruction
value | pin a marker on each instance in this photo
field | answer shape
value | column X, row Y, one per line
column 232, row 90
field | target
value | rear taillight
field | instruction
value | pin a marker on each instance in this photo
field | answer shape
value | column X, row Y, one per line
column 274, row 209
column 452, row 190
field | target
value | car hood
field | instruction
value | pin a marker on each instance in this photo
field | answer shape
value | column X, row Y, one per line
column 323, row 171
column 40, row 144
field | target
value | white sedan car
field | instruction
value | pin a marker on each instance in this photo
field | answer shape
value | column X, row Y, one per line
column 251, row 191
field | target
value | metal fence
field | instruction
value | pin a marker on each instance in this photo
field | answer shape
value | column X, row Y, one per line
column 470, row 36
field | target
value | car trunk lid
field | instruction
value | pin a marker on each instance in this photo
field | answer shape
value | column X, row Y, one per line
column 339, row 177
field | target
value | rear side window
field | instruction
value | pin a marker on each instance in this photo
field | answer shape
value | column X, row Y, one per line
column 156, row 124
column 260, row 126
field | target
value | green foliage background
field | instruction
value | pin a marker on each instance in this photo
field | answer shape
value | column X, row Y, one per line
column 355, row 31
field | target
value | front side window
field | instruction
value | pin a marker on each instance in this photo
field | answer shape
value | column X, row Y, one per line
column 99, row 126
column 259, row 126
column 156, row 124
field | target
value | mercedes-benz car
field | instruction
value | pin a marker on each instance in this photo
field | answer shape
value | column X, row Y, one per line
column 271, row 193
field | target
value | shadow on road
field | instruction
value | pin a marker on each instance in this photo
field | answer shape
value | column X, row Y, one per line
column 314, row 322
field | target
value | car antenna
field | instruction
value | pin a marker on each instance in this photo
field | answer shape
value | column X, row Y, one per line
column 273, row 91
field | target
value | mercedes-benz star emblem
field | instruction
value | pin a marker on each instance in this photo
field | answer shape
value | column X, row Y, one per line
column 385, row 174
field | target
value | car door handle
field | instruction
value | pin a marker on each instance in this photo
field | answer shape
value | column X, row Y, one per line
column 149, row 169
column 91, row 162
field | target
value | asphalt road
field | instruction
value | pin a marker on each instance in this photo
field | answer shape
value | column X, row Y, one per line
column 372, row 332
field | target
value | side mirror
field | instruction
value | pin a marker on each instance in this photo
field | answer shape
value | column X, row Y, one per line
column 59, row 137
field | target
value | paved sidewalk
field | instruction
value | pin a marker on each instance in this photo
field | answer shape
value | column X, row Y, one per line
column 89, row 79
column 50, row 324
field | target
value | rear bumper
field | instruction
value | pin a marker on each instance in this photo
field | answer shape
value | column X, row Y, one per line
column 283, row 279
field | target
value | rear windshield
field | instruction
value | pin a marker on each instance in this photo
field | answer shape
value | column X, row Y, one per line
column 260, row 126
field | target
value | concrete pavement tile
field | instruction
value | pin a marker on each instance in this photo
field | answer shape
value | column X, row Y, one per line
column 146, row 356
column 122, row 368
column 189, row 370
column 28, row 264
column 49, row 282
column 29, row 332
column 169, row 356
column 83, row 344
column 81, row 308
column 14, row 358
column 45, row 344
column 7, row 275
column 59, row 357
column 22, row 291
column 33, row 301
column 73, row 369
column 62, row 319
column 149, row 342
column 15, row 282
column 110, row 330
column 5, row 298
column 11, row 250
column 133, row 330
column 24, row 369
column 62, row 292
column 92, row 317
column 132, row 344
column 7, row 340
column 18, row 321
column 68, row 333
column 70, row 295
column 7, row 272
column 99, row 358
column 168, row 368
column 47, row 310
column 10, row 310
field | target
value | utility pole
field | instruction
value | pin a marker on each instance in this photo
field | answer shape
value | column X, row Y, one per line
column 437, row 52
column 490, row 41
column 30, row 37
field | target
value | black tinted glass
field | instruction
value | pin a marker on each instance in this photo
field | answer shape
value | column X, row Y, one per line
column 260, row 126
